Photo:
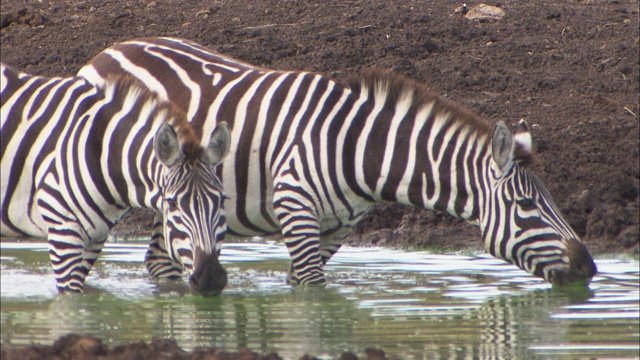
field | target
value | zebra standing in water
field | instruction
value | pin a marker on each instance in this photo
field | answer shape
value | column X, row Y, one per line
column 76, row 158
column 309, row 156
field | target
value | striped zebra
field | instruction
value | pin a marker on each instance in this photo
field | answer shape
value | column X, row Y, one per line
column 309, row 156
column 76, row 158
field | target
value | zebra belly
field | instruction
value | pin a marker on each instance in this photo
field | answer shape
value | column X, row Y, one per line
column 335, row 224
column 27, row 221
column 20, row 213
column 257, row 227
column 338, row 225
column 331, row 227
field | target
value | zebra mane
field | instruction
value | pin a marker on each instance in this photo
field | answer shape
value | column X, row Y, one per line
column 396, row 86
column 127, row 86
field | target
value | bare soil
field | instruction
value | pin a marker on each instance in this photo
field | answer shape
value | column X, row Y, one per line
column 570, row 68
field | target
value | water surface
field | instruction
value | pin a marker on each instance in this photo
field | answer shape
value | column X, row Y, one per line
column 415, row 305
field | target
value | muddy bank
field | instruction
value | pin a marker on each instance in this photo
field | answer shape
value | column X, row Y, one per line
column 86, row 347
column 569, row 68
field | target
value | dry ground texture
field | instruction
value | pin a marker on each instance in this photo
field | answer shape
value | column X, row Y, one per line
column 570, row 68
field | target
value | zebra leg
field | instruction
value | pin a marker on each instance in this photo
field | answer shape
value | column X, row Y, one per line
column 70, row 259
column 301, row 233
column 306, row 262
column 71, row 249
column 326, row 252
column 157, row 259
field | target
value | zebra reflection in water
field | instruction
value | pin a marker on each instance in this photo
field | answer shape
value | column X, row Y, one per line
column 507, row 328
column 316, row 322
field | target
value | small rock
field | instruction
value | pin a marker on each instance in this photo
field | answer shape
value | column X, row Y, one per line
column 375, row 354
column 348, row 356
column 484, row 12
column 79, row 346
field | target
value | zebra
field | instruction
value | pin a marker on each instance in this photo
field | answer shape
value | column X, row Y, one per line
column 310, row 156
column 75, row 158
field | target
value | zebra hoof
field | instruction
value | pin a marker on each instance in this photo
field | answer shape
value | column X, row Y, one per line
column 292, row 280
column 312, row 278
column 69, row 290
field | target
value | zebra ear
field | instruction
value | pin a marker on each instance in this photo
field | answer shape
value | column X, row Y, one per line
column 523, row 147
column 219, row 144
column 502, row 148
column 167, row 146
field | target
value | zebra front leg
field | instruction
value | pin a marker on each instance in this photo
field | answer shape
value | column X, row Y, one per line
column 71, row 249
column 157, row 259
column 70, row 259
column 301, row 233
column 306, row 263
column 326, row 252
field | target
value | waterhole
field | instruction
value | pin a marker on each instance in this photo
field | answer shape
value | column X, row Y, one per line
column 413, row 305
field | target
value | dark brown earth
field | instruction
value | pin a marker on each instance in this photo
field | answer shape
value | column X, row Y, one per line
column 570, row 68
column 87, row 347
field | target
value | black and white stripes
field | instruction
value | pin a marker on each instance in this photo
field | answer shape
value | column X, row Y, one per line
column 76, row 158
column 309, row 156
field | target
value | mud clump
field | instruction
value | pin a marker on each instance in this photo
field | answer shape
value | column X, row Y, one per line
column 87, row 347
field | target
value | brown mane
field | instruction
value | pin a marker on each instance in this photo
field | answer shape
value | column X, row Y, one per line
column 398, row 84
column 126, row 84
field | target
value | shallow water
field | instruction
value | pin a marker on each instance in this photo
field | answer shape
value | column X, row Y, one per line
column 416, row 305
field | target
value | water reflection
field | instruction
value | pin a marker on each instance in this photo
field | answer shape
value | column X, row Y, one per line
column 413, row 305
column 509, row 323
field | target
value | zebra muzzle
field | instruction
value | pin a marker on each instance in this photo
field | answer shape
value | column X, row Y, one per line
column 581, row 267
column 208, row 276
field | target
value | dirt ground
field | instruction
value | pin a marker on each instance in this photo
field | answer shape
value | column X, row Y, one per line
column 570, row 68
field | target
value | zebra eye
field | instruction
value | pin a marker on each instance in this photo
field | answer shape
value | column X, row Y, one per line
column 526, row 204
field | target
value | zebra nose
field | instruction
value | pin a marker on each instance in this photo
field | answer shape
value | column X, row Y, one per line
column 208, row 276
column 581, row 268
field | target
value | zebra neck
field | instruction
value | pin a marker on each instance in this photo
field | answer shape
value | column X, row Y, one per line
column 425, row 157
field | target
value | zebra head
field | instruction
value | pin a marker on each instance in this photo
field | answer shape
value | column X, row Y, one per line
column 192, row 198
column 523, row 225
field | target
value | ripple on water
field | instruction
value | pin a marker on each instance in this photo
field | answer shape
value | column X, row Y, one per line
column 412, row 304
